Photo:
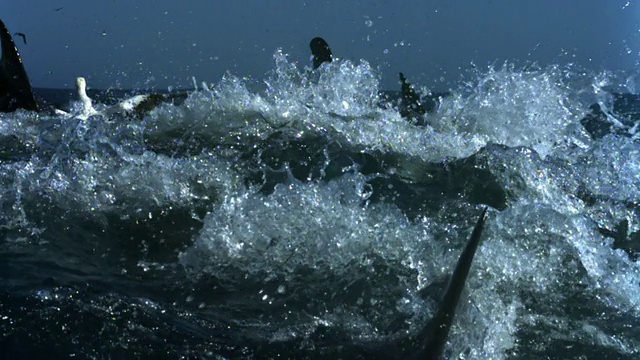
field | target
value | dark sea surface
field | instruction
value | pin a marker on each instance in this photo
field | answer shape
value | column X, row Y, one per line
column 293, row 217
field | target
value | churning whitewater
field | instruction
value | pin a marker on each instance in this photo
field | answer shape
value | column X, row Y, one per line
column 301, row 216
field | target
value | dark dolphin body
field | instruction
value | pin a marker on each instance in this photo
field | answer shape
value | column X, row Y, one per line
column 15, row 88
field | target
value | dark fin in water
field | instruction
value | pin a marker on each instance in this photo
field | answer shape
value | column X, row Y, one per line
column 411, row 106
column 321, row 52
column 15, row 89
column 433, row 337
column 430, row 342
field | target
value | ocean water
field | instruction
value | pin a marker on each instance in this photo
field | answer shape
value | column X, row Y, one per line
column 294, row 217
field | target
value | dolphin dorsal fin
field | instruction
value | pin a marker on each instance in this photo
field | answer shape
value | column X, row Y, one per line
column 434, row 335
column 410, row 97
column 321, row 52
column 15, row 88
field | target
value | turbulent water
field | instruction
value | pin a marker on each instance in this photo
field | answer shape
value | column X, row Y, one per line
column 295, row 217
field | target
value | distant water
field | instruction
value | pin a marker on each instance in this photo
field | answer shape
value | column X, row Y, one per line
column 301, row 218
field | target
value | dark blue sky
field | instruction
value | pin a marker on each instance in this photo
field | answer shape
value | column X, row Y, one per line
column 162, row 43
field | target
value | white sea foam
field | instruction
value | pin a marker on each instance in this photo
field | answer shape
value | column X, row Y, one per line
column 545, row 243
